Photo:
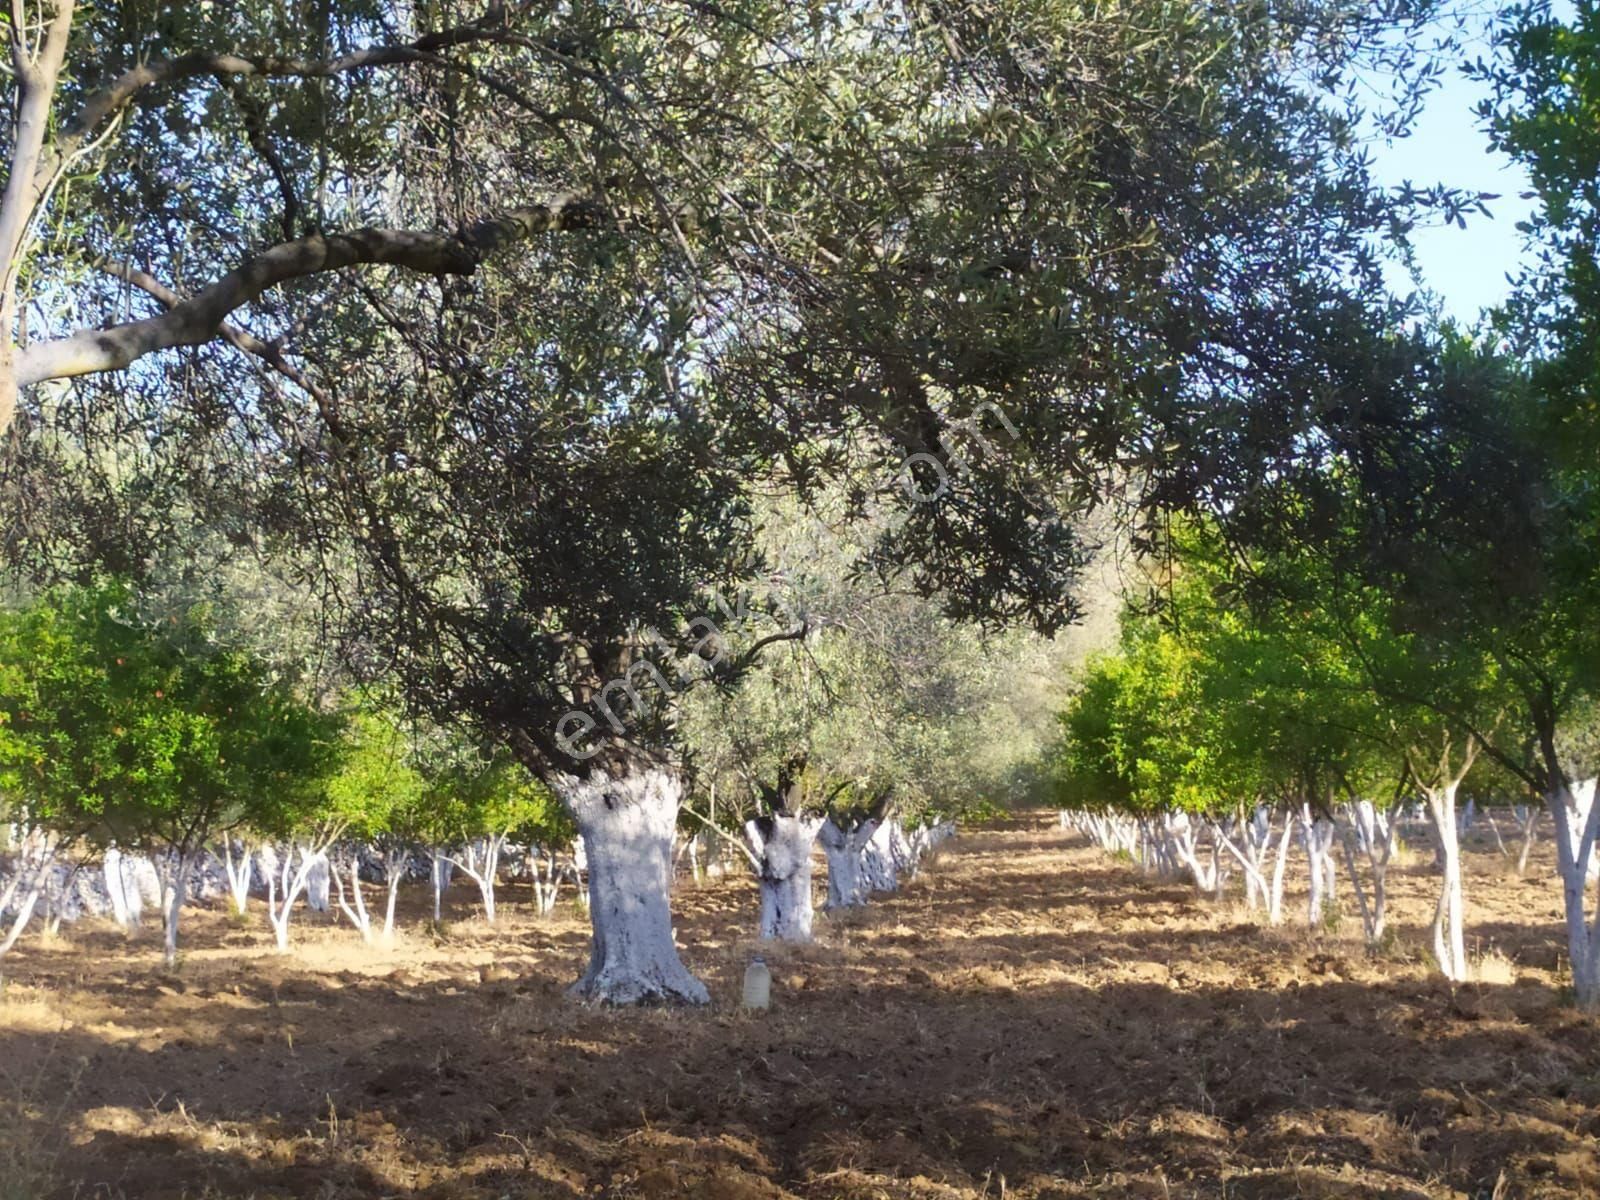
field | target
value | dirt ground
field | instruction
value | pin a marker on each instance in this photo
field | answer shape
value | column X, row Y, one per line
column 1029, row 1019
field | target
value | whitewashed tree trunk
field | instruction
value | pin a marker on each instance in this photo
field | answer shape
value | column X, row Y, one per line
column 1494, row 828
column 395, row 858
column 1254, row 833
column 60, row 895
column 877, row 860
column 479, row 861
column 847, row 886
column 1433, row 837
column 267, row 861
column 440, row 869
column 127, row 903
column 627, row 821
column 782, row 851
column 1583, row 797
column 1439, row 785
column 580, row 870
column 1275, row 901
column 1449, row 939
column 284, row 885
column 1308, row 841
column 354, row 908
column 319, row 881
column 921, row 841
column 1220, row 869
column 1161, row 851
column 545, row 872
column 1373, row 833
column 1180, row 842
column 239, row 874
column 1370, row 917
column 1125, row 834
column 1149, row 854
column 1316, row 835
column 900, row 852
column 1257, row 846
column 392, row 887
column 31, row 866
column 1577, row 823
column 930, row 837
column 174, row 891
column 1528, row 823
column 1330, row 891
column 25, row 899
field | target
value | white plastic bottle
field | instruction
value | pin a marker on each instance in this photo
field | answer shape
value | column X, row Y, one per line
column 757, row 984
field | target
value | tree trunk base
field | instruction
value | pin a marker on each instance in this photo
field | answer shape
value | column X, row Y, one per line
column 640, row 984
column 627, row 823
column 786, row 907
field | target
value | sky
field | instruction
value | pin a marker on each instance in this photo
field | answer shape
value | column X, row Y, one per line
column 1465, row 267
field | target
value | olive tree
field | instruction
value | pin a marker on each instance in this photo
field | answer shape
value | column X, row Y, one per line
column 966, row 260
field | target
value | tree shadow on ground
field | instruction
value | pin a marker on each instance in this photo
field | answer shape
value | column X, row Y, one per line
column 957, row 1036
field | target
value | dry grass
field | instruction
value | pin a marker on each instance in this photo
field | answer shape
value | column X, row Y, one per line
column 1031, row 1020
column 1493, row 967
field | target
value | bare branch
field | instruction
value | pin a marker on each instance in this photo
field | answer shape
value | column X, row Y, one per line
column 29, row 179
column 755, row 863
column 122, row 91
column 254, row 116
column 268, row 352
column 747, row 660
column 198, row 320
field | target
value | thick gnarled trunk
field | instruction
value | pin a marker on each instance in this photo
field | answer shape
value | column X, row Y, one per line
column 878, row 863
column 782, row 849
column 847, row 884
column 627, row 821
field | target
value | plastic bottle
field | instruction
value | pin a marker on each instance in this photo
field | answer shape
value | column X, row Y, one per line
column 757, row 984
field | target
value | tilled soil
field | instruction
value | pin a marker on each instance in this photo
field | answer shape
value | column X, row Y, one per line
column 1029, row 1019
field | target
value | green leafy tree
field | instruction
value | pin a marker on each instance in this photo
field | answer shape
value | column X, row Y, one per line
column 965, row 259
column 1465, row 536
column 1277, row 679
column 884, row 687
column 378, row 795
column 1545, row 75
column 150, row 738
column 475, row 803
column 1546, row 88
column 1344, row 699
